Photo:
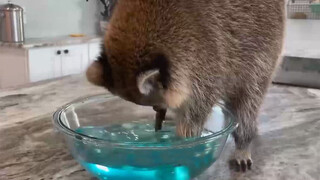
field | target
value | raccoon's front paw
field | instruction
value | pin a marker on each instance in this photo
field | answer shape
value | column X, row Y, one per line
column 185, row 130
column 241, row 160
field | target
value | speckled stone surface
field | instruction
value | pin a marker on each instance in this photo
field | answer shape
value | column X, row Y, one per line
column 287, row 146
column 48, row 42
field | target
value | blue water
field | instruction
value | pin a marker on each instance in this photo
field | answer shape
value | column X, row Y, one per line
column 106, row 162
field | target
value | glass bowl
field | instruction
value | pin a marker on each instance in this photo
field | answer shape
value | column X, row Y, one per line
column 115, row 139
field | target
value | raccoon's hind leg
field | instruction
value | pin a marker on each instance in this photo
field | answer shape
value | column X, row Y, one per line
column 245, row 105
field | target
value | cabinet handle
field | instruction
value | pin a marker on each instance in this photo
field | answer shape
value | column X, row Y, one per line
column 59, row 52
column 66, row 51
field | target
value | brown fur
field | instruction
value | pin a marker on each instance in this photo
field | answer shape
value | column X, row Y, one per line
column 94, row 74
column 216, row 50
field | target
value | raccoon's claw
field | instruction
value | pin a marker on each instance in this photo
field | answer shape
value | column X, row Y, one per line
column 242, row 161
column 242, row 165
column 186, row 133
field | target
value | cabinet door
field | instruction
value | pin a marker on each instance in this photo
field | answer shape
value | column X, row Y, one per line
column 44, row 63
column 94, row 51
column 74, row 59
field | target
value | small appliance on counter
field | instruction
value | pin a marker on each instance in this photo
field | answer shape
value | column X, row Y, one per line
column 11, row 23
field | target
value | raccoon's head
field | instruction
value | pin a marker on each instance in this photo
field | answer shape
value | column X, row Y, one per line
column 143, row 80
column 135, row 63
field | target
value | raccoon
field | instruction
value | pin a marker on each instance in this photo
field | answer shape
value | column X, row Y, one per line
column 186, row 55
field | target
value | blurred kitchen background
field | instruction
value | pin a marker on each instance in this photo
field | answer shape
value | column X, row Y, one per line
column 46, row 39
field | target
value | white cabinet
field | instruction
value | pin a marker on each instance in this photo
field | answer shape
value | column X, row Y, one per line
column 74, row 59
column 94, row 51
column 20, row 66
column 44, row 63
column 53, row 62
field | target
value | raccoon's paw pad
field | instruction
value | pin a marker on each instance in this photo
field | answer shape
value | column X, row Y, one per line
column 241, row 161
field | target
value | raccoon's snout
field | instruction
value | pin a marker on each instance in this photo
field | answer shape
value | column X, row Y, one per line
column 95, row 73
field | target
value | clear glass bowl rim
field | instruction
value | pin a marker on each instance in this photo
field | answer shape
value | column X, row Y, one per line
column 232, row 125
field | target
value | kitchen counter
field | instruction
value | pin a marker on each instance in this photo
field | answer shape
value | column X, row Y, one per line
column 57, row 41
column 301, row 64
column 287, row 146
column 302, row 38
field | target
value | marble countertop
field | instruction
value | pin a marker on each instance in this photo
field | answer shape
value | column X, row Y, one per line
column 287, row 147
column 56, row 41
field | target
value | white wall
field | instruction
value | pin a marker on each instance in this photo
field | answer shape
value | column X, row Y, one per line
column 50, row 18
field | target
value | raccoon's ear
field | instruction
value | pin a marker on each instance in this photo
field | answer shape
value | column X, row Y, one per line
column 148, row 81
column 154, row 76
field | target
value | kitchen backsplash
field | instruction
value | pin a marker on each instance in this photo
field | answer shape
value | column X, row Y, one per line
column 51, row 18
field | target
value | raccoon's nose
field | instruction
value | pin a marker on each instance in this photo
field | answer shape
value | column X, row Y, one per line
column 94, row 73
